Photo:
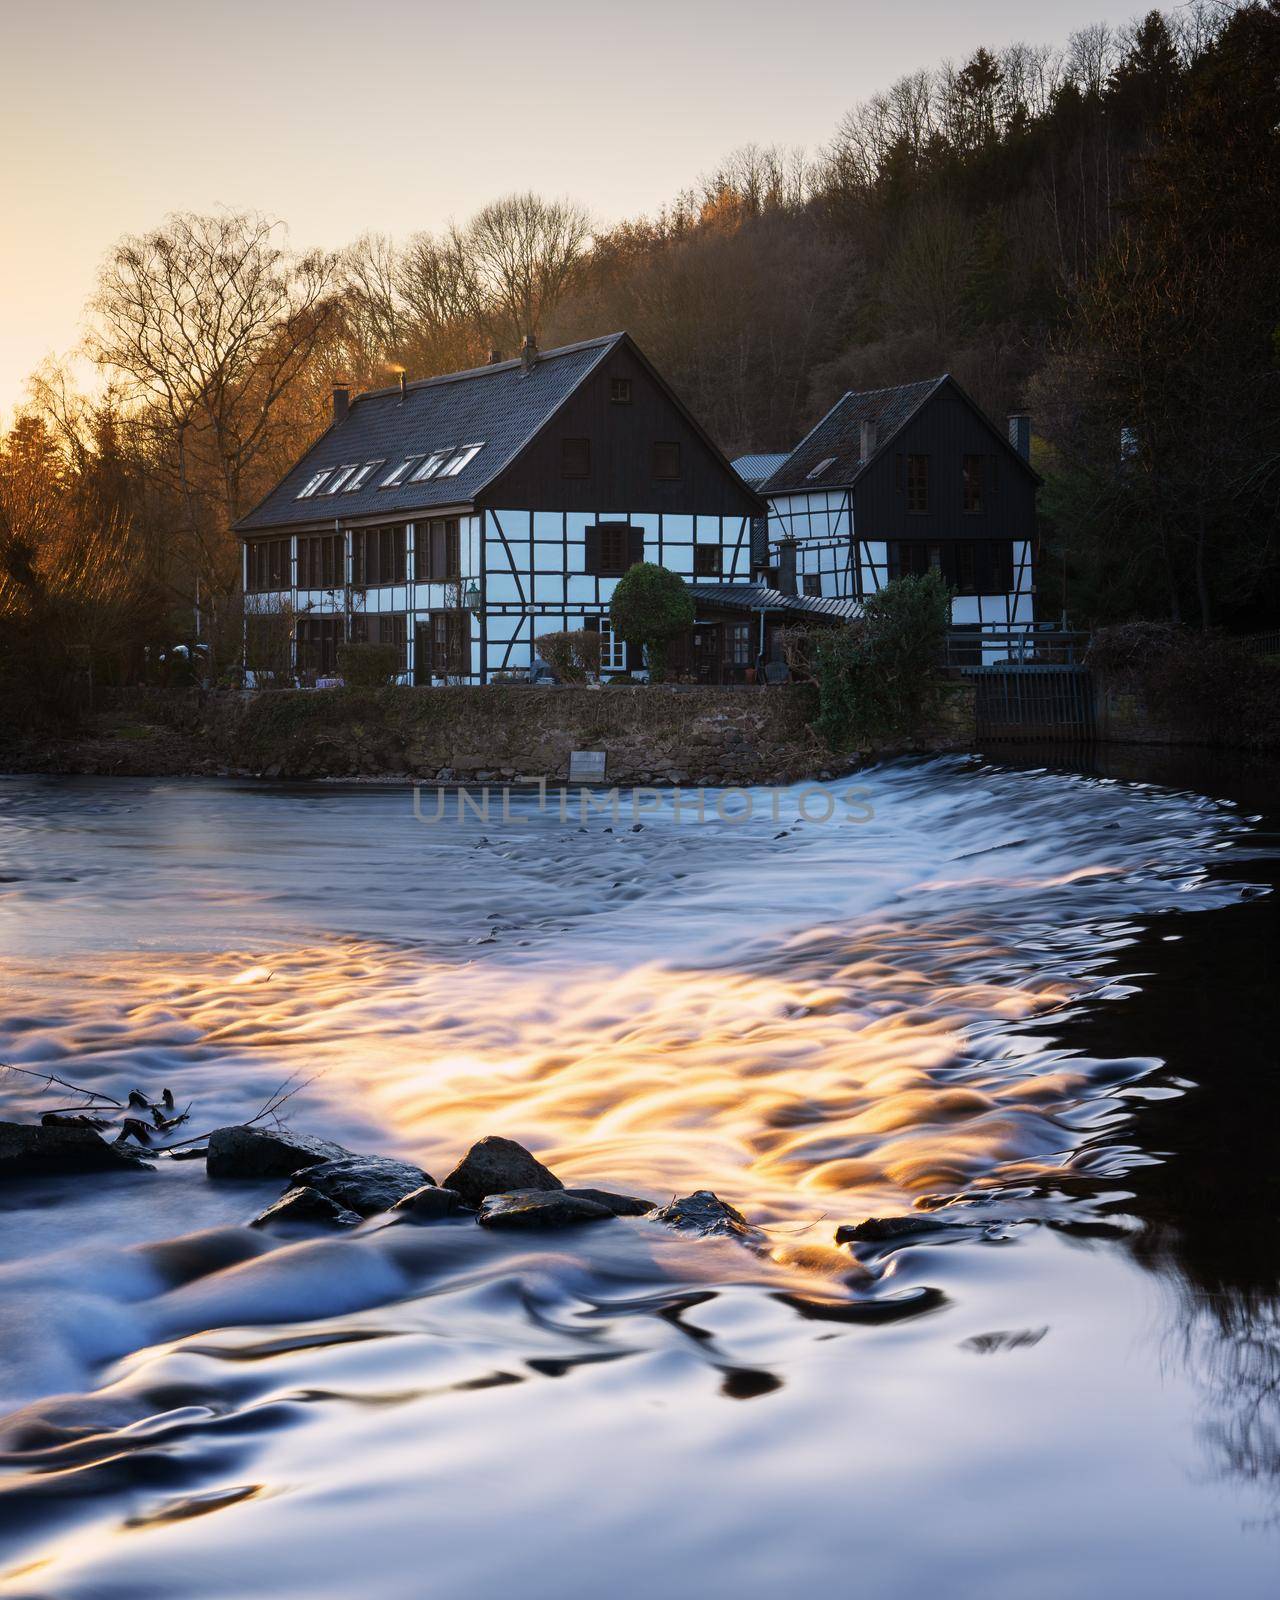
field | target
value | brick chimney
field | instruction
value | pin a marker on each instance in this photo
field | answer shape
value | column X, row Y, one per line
column 1020, row 433
column 341, row 401
column 529, row 350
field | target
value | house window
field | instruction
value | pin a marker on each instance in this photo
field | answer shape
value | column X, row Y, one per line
column 666, row 458
column 443, row 645
column 437, row 554
column 357, row 478
column 269, row 566
column 737, row 644
column 339, row 478
column 465, row 454
column 391, row 627
column 708, row 560
column 613, row 650
column 398, row 474
column 318, row 642
column 377, row 557
column 969, row 566
column 971, row 473
column 812, row 584
column 322, row 561
column 620, row 391
column 816, row 472
column 575, row 458
column 917, row 483
column 613, row 547
column 313, row 483
column 430, row 466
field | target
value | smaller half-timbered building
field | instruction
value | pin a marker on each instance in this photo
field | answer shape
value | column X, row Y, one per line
column 902, row 480
column 460, row 517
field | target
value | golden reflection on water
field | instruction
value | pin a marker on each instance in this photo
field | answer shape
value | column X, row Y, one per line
column 815, row 1080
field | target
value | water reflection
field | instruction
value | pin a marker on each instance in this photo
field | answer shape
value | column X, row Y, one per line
column 968, row 1011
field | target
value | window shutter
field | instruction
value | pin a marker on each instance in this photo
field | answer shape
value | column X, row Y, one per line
column 592, row 563
column 591, row 624
column 635, row 546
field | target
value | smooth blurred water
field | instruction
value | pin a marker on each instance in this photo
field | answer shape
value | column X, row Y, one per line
column 998, row 997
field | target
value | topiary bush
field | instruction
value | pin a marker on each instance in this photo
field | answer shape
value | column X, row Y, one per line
column 650, row 606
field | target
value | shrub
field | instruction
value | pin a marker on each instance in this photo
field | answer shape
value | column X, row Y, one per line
column 649, row 607
column 368, row 666
column 881, row 674
column 572, row 656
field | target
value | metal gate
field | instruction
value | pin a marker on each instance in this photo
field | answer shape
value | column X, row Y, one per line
column 1033, row 702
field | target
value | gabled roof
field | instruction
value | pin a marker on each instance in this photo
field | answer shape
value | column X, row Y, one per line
column 835, row 444
column 754, row 469
column 501, row 406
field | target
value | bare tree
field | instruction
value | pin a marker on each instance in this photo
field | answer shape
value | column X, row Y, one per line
column 525, row 253
column 209, row 322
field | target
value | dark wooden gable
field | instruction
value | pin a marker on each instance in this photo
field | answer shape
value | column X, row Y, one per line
column 640, row 454
column 946, row 428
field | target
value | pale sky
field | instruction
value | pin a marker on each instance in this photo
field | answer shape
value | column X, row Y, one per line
column 395, row 115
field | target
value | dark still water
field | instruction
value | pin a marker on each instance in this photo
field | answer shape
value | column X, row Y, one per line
column 1037, row 1005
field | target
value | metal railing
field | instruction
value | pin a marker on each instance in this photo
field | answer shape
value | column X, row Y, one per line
column 970, row 649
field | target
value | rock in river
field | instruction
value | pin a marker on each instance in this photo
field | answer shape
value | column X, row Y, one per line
column 622, row 1205
column 306, row 1204
column 367, row 1184
column 706, row 1213
column 34, row 1151
column 540, row 1208
column 884, row 1230
column 430, row 1203
column 498, row 1166
column 243, row 1152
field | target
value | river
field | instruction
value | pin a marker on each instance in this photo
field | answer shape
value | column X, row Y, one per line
column 1034, row 1002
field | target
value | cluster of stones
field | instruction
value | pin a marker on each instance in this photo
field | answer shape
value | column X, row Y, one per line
column 498, row 1182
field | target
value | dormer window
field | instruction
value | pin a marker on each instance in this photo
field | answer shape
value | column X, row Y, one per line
column 398, row 474
column 467, row 453
column 816, row 472
column 360, row 475
column 313, row 483
column 338, row 479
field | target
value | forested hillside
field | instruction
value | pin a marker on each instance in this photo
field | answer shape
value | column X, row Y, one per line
column 1087, row 231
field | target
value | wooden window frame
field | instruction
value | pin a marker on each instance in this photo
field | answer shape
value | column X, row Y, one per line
column 575, row 458
column 656, row 460
column 263, row 566
column 389, row 545
column 917, row 485
column 620, row 391
column 437, row 551
column 708, row 561
column 613, row 548
column 811, row 585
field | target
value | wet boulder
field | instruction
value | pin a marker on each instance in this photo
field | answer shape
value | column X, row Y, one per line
column 244, row 1152
column 622, row 1205
column 367, row 1184
column 430, row 1203
column 498, row 1166
column 540, row 1208
column 887, row 1230
column 706, row 1213
column 306, row 1204
column 38, row 1150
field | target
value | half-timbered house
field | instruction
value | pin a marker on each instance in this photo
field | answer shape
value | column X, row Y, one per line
column 460, row 517
column 901, row 480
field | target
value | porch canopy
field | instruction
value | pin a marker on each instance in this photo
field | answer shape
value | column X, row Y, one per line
column 736, row 628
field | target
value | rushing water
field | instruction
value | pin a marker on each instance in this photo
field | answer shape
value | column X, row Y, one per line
column 1036, row 1004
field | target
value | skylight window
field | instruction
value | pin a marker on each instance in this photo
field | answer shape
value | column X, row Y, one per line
column 467, row 453
column 357, row 479
column 430, row 467
column 821, row 467
column 339, row 478
column 313, row 483
column 398, row 474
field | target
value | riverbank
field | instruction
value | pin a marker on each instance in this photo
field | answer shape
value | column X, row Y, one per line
column 650, row 734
